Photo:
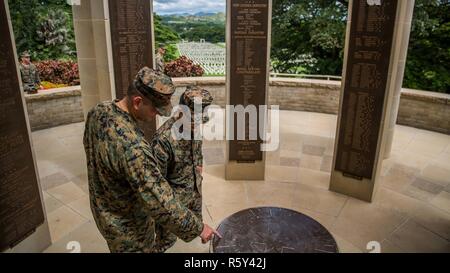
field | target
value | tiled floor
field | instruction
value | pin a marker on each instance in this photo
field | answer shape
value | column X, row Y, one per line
column 410, row 213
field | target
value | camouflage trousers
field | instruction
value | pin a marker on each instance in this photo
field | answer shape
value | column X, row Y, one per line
column 165, row 239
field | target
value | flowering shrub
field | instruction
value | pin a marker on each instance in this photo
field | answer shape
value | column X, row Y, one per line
column 183, row 67
column 49, row 85
column 59, row 72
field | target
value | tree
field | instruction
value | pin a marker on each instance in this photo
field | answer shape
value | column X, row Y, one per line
column 163, row 33
column 428, row 62
column 54, row 35
column 44, row 27
column 308, row 37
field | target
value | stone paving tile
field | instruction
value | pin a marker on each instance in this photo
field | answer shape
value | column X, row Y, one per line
column 313, row 150
column 410, row 214
column 53, row 180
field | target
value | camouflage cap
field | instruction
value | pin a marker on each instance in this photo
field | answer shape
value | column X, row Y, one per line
column 193, row 92
column 190, row 98
column 25, row 54
column 157, row 87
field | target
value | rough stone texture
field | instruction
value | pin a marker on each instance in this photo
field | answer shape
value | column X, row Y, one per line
column 56, row 107
column 420, row 109
column 425, row 110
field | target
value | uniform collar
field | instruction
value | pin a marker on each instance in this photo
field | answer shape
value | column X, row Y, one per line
column 122, row 112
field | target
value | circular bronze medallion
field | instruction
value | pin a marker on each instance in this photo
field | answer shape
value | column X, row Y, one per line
column 272, row 230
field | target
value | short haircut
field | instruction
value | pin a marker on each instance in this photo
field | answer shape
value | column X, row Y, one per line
column 133, row 92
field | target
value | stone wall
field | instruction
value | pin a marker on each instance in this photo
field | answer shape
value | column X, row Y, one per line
column 425, row 110
column 55, row 107
column 420, row 109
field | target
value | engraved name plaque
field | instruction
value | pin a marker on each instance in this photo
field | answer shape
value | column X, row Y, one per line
column 248, row 77
column 132, row 45
column 370, row 45
column 20, row 203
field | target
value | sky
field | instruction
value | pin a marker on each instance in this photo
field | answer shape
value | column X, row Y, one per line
column 188, row 6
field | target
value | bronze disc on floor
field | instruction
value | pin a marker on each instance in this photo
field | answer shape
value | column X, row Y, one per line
column 272, row 230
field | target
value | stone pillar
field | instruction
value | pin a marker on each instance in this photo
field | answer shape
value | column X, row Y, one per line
column 23, row 225
column 114, row 40
column 374, row 61
column 400, row 52
column 248, row 54
column 93, row 41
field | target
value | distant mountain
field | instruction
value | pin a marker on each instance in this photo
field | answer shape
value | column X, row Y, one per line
column 202, row 14
column 198, row 14
column 218, row 17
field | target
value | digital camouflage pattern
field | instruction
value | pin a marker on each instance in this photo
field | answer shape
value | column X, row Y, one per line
column 193, row 92
column 128, row 193
column 30, row 77
column 180, row 162
column 159, row 60
column 189, row 97
column 157, row 87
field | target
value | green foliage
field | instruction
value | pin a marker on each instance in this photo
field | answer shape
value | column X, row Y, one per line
column 164, row 34
column 193, row 28
column 57, row 39
column 171, row 53
column 428, row 62
column 44, row 27
column 308, row 37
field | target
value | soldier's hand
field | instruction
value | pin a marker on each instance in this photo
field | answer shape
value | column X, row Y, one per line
column 207, row 233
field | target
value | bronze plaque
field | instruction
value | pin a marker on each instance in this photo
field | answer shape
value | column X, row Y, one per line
column 132, row 44
column 20, row 203
column 248, row 76
column 369, row 54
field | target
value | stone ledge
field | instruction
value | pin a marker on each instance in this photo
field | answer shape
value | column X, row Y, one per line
column 429, row 96
column 421, row 109
column 288, row 82
column 56, row 93
column 54, row 107
column 180, row 82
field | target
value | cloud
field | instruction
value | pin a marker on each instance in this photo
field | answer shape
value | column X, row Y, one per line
column 188, row 6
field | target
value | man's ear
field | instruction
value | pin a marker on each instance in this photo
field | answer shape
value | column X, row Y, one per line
column 137, row 100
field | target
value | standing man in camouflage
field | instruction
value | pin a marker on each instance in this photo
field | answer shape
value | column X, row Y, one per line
column 180, row 160
column 160, row 59
column 128, row 193
column 30, row 75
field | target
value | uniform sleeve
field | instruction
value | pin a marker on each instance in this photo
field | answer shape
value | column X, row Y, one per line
column 144, row 177
column 38, row 79
column 161, row 152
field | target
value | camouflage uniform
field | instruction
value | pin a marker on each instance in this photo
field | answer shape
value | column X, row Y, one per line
column 128, row 194
column 180, row 162
column 159, row 60
column 30, row 76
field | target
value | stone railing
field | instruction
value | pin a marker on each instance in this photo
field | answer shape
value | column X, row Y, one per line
column 54, row 107
column 420, row 109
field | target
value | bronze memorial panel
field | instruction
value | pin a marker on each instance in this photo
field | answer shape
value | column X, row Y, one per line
column 132, row 44
column 20, row 202
column 369, row 53
column 248, row 69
